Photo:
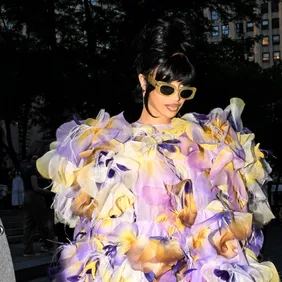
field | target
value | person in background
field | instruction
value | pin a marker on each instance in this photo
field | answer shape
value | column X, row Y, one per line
column 17, row 190
column 35, row 210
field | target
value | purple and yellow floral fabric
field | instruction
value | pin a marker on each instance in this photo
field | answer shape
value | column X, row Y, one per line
column 181, row 202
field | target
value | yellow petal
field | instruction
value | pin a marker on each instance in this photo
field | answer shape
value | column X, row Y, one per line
column 93, row 267
column 86, row 154
column 42, row 164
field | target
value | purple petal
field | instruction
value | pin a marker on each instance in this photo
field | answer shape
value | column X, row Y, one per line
column 108, row 134
column 119, row 121
column 188, row 187
column 74, row 278
column 73, row 147
column 255, row 241
column 172, row 141
column 159, row 238
column 64, row 130
column 177, row 266
column 240, row 153
column 189, row 271
column 122, row 167
column 169, row 276
column 150, row 276
column 168, row 147
column 119, row 260
column 108, row 160
column 222, row 274
column 246, row 130
column 201, row 118
column 111, row 173
column 80, row 234
column 198, row 161
column 111, row 250
column 77, row 121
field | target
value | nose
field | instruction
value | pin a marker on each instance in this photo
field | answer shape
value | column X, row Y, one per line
column 176, row 95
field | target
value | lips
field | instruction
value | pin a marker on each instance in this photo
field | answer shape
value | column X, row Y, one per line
column 173, row 107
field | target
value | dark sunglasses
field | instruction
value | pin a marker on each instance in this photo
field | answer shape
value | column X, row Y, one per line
column 168, row 89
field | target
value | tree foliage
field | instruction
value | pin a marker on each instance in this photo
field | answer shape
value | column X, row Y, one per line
column 65, row 57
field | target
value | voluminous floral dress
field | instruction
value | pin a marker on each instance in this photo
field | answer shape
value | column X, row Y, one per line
column 175, row 202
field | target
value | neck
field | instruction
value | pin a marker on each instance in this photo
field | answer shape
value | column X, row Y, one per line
column 146, row 118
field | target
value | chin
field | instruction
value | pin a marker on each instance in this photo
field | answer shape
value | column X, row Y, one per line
column 171, row 114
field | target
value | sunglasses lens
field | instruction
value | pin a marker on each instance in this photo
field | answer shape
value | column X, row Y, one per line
column 166, row 90
column 186, row 93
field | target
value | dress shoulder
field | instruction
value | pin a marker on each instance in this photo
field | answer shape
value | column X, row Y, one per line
column 78, row 144
column 234, row 161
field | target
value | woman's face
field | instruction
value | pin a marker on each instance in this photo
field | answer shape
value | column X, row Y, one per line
column 164, row 107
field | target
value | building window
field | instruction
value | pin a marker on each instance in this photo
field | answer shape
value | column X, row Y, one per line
column 276, row 56
column 250, row 26
column 215, row 30
column 275, row 23
column 265, row 41
column 275, row 6
column 264, row 24
column 265, row 57
column 214, row 15
column 240, row 28
column 224, row 29
column 264, row 8
column 276, row 39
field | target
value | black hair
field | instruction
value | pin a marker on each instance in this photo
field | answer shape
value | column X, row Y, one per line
column 163, row 44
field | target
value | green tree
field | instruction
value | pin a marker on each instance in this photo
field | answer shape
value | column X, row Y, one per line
column 59, row 49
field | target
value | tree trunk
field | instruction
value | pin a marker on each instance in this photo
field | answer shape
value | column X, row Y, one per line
column 276, row 193
column 51, row 20
column 10, row 147
column 2, row 135
column 91, row 38
column 24, row 128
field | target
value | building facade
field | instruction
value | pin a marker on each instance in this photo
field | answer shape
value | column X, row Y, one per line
column 266, row 48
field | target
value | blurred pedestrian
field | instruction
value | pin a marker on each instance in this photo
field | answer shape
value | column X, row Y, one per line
column 35, row 210
column 17, row 190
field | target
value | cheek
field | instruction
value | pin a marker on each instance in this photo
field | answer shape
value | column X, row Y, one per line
column 156, row 99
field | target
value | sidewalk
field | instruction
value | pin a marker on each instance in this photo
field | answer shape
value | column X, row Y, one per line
column 273, row 245
column 24, row 266
column 35, row 269
column 30, row 269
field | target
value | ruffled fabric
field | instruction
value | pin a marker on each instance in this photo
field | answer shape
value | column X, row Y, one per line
column 182, row 203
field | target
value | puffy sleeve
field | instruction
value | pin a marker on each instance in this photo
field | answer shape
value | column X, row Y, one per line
column 227, row 171
column 82, row 161
column 235, row 164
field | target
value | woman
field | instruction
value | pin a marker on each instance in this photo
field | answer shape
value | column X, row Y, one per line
column 163, row 198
